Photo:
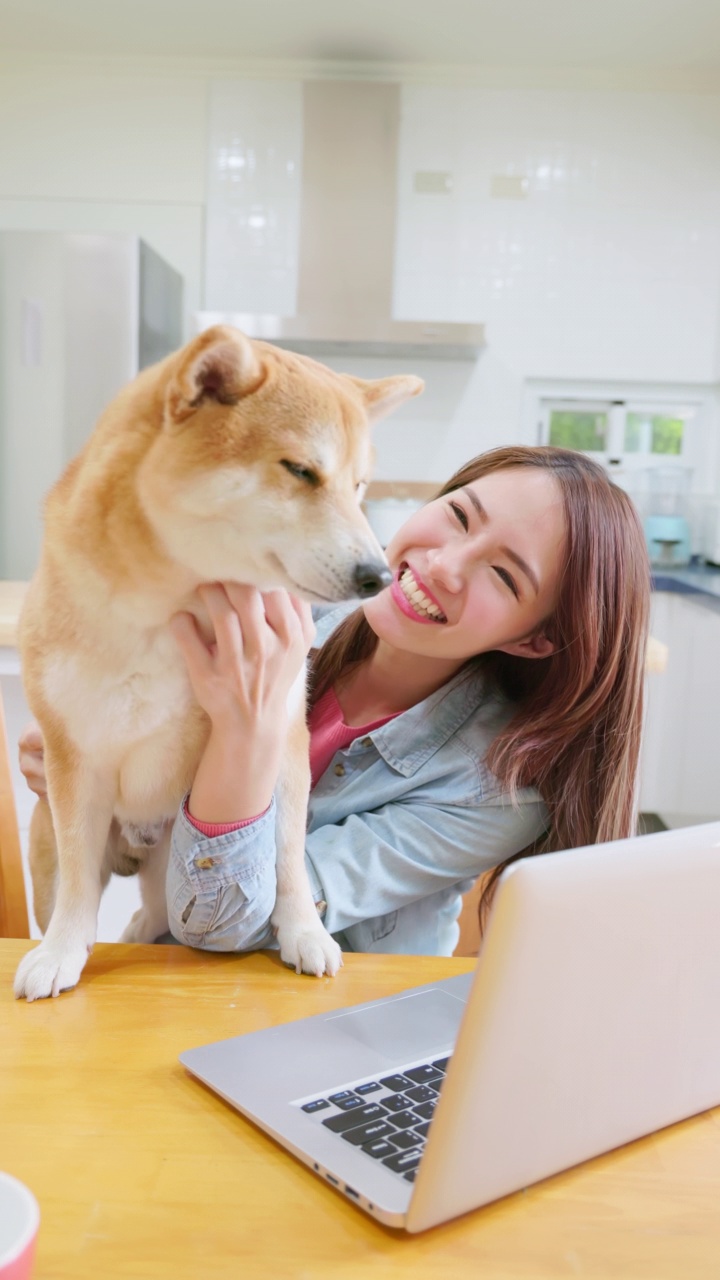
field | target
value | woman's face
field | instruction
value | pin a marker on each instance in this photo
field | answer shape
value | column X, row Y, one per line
column 476, row 570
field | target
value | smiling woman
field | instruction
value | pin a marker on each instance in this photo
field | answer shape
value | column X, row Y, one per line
column 486, row 705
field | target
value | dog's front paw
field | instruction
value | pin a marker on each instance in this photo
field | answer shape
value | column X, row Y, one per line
column 49, row 969
column 306, row 945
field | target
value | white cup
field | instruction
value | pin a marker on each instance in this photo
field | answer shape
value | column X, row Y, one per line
column 19, row 1222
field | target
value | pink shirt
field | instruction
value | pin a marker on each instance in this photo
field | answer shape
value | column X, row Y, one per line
column 328, row 733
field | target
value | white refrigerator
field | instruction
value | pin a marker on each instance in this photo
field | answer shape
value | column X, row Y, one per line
column 80, row 315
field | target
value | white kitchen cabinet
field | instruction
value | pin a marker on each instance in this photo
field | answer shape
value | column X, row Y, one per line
column 680, row 762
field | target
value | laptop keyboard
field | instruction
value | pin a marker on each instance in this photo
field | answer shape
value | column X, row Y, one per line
column 387, row 1117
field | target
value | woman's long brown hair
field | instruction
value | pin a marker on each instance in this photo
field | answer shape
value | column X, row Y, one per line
column 575, row 736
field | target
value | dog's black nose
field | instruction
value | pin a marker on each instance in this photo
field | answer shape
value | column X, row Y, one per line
column 371, row 578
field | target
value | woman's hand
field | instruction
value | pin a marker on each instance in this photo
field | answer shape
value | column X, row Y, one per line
column 244, row 675
column 31, row 750
column 242, row 679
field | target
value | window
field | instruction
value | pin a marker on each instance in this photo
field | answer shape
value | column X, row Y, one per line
column 579, row 426
column 618, row 431
column 653, row 433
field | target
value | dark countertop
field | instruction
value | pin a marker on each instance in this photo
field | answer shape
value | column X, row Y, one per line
column 698, row 579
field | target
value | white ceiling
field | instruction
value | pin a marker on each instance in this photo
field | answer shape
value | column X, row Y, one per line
column 606, row 35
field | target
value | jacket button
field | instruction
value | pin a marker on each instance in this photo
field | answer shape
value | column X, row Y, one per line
column 204, row 863
column 366, row 742
column 340, row 770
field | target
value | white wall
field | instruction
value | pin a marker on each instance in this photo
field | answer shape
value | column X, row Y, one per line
column 93, row 146
column 608, row 270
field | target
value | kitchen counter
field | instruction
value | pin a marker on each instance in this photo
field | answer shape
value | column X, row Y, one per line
column 699, row 580
column 12, row 595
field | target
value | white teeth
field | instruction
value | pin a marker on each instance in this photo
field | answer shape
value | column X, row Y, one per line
column 420, row 602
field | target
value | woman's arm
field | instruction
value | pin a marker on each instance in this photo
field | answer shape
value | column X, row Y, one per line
column 221, row 890
column 242, row 679
column 383, row 861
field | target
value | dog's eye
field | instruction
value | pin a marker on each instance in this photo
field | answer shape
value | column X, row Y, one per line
column 301, row 473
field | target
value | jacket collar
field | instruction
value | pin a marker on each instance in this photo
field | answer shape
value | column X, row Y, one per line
column 413, row 736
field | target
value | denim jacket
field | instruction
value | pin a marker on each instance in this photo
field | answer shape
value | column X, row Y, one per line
column 399, row 826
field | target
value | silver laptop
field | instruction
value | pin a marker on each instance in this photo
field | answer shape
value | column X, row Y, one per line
column 591, row 1018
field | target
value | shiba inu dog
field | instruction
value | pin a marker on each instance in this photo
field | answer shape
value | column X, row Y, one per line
column 230, row 460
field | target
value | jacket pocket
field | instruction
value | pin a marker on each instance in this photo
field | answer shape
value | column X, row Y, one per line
column 383, row 926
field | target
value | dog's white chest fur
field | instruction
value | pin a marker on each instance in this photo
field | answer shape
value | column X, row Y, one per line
column 134, row 724
column 105, row 710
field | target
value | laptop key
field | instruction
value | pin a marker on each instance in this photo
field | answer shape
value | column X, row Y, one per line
column 403, row 1161
column 348, row 1099
column 422, row 1129
column 425, row 1111
column 379, row 1147
column 403, row 1119
column 441, row 1064
column 395, row 1102
column 423, row 1075
column 319, row 1104
column 405, row 1140
column 372, row 1086
column 421, row 1093
column 397, row 1083
column 409, row 1177
column 356, row 1116
column 366, row 1133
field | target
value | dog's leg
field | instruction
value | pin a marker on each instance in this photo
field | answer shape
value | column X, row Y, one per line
column 81, row 805
column 42, row 856
column 150, row 921
column 304, row 940
column 43, row 860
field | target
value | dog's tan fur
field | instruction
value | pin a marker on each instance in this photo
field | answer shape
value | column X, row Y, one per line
column 182, row 482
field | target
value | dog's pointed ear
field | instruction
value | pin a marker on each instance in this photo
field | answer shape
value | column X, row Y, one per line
column 383, row 395
column 220, row 364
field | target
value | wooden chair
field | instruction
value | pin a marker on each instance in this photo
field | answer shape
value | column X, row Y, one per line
column 469, row 940
column 13, row 904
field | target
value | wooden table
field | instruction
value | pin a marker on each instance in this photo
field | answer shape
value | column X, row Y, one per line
column 142, row 1173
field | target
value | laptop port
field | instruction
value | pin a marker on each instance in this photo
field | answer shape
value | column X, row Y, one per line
column 352, row 1192
column 334, row 1181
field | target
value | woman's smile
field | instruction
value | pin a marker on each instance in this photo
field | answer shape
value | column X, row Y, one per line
column 412, row 597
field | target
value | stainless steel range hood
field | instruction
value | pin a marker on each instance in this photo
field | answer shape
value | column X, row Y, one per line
column 347, row 237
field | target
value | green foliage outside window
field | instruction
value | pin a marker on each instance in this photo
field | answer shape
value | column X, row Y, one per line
column 586, row 431
column 653, row 433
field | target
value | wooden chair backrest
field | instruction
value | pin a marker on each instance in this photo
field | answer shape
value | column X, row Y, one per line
column 13, row 903
column 469, row 940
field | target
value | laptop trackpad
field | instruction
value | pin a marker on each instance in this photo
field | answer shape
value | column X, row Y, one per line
column 409, row 1027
